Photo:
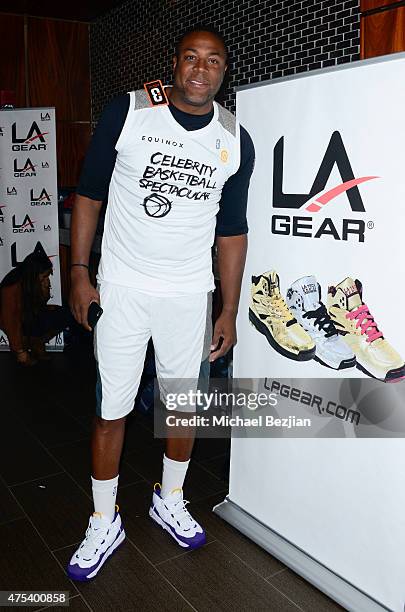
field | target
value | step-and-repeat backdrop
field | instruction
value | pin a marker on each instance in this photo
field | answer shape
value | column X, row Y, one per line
column 28, row 194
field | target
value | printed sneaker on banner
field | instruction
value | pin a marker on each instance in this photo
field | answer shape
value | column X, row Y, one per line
column 171, row 514
column 352, row 318
column 270, row 315
column 101, row 540
column 304, row 301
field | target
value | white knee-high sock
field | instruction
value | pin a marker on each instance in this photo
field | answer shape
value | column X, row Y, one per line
column 174, row 473
column 104, row 494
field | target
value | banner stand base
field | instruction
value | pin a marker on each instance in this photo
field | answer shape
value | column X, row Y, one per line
column 322, row 578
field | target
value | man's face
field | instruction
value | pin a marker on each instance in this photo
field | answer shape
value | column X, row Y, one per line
column 200, row 68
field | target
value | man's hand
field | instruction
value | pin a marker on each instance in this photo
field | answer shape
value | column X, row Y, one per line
column 84, row 223
column 225, row 328
column 81, row 295
column 231, row 260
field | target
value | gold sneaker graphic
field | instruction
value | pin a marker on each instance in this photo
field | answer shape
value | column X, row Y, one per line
column 352, row 318
column 271, row 316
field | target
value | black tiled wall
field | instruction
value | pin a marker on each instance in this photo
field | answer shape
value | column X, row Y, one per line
column 134, row 43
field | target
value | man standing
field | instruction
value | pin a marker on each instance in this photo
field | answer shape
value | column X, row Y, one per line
column 174, row 174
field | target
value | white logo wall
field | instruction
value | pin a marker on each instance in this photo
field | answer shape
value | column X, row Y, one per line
column 28, row 193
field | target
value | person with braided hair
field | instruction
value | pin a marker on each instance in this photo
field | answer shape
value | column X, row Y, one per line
column 25, row 316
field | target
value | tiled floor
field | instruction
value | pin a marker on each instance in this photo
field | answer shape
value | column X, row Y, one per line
column 45, row 502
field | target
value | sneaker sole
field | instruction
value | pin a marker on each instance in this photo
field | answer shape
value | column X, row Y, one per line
column 160, row 522
column 345, row 364
column 260, row 327
column 110, row 551
column 393, row 376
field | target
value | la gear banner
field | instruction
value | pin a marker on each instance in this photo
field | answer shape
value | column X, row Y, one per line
column 326, row 216
column 322, row 298
column 28, row 193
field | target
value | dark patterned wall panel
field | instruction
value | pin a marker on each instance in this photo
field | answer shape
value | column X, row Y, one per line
column 368, row 5
column 12, row 62
column 134, row 43
column 72, row 140
column 58, row 61
column 383, row 33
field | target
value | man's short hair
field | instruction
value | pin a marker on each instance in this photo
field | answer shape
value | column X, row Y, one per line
column 201, row 27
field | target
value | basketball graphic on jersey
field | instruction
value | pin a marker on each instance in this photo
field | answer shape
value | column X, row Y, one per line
column 156, row 205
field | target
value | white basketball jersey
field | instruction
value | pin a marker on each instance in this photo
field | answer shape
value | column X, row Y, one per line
column 163, row 199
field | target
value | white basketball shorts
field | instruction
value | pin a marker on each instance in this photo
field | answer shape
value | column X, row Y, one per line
column 180, row 328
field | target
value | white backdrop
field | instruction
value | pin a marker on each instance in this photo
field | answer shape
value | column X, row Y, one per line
column 341, row 501
column 28, row 193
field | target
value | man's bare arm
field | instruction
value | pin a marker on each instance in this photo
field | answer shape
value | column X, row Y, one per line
column 83, row 229
column 231, row 263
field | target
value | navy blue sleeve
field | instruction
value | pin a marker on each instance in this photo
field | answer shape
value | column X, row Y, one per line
column 231, row 218
column 100, row 158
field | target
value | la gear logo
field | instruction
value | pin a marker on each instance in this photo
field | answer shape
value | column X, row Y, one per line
column 28, row 169
column 317, row 198
column 13, row 252
column 156, row 93
column 350, row 291
column 311, row 288
column 11, row 191
column 35, row 139
column 26, row 227
column 40, row 198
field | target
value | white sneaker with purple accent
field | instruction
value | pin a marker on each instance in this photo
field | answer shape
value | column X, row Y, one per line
column 101, row 540
column 172, row 515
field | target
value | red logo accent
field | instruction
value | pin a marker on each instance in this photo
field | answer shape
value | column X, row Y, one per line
column 28, row 223
column 37, row 136
column 317, row 204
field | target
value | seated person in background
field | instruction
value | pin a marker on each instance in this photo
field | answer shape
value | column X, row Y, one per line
column 24, row 314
